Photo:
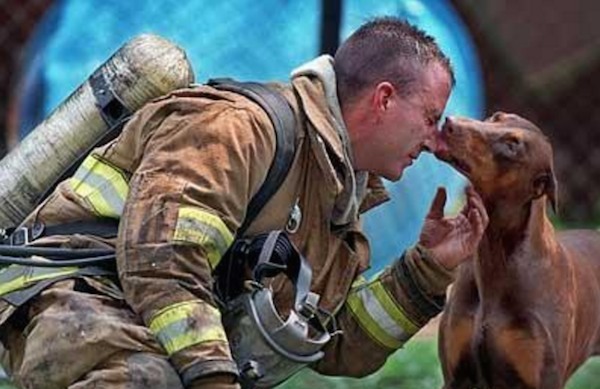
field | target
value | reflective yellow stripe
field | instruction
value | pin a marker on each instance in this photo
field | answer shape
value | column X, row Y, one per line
column 393, row 309
column 359, row 281
column 102, row 185
column 96, row 201
column 369, row 325
column 185, row 324
column 17, row 277
column 380, row 316
column 198, row 226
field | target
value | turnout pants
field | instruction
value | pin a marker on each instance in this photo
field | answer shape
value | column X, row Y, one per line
column 74, row 336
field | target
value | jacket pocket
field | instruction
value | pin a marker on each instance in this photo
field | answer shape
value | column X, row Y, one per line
column 148, row 222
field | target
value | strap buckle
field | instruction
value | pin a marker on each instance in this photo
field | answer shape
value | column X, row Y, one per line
column 19, row 237
column 24, row 235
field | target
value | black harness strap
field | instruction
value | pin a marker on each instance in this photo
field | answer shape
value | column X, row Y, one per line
column 228, row 277
column 104, row 228
column 284, row 122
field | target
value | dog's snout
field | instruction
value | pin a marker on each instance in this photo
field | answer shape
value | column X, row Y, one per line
column 449, row 125
column 438, row 145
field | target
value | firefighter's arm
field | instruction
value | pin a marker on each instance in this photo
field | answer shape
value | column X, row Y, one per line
column 381, row 315
column 186, row 200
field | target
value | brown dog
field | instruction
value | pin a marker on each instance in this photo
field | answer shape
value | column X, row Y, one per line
column 525, row 313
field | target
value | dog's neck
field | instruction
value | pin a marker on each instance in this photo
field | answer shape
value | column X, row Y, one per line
column 514, row 233
column 508, row 222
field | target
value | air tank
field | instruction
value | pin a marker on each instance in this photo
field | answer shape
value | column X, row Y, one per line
column 144, row 68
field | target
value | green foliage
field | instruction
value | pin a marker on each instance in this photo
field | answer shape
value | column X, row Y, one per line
column 587, row 377
column 417, row 367
column 414, row 367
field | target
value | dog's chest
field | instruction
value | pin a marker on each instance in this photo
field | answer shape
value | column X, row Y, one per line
column 509, row 333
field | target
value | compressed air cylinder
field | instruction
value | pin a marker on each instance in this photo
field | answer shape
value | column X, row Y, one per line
column 144, row 68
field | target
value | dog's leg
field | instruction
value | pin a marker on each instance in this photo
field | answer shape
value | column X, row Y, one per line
column 457, row 330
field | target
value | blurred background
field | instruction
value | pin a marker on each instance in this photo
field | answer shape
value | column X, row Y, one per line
column 65, row 40
column 538, row 58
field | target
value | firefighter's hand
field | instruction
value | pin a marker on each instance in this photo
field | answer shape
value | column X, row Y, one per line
column 452, row 240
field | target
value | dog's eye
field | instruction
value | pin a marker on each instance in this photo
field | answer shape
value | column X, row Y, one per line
column 509, row 147
column 512, row 142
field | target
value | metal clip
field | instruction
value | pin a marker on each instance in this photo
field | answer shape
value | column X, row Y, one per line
column 309, row 307
column 19, row 237
column 295, row 218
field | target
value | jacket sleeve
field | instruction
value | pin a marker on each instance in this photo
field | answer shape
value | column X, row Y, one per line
column 382, row 314
column 200, row 165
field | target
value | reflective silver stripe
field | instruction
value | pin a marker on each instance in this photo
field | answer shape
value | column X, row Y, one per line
column 17, row 277
column 10, row 273
column 382, row 318
column 198, row 226
column 220, row 242
column 379, row 314
column 178, row 335
column 109, row 192
column 102, row 185
column 185, row 324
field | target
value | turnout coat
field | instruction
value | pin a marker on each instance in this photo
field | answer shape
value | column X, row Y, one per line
column 179, row 178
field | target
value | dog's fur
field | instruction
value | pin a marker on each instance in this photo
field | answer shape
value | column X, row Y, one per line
column 525, row 313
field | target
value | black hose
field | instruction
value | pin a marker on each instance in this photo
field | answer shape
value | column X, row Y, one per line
column 106, row 260
column 282, row 251
column 53, row 252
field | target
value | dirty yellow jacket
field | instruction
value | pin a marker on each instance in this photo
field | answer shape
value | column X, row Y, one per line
column 180, row 176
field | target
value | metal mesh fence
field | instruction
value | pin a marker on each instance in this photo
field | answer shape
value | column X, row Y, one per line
column 539, row 58
column 74, row 38
column 542, row 59
column 247, row 40
column 18, row 19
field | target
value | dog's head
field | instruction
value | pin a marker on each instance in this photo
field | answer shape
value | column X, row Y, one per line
column 505, row 157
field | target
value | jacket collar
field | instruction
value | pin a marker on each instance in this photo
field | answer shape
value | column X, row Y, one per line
column 315, row 83
column 356, row 191
column 376, row 194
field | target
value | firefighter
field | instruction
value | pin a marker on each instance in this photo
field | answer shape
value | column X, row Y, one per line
column 179, row 179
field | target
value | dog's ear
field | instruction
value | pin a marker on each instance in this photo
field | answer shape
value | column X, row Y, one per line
column 545, row 184
column 496, row 117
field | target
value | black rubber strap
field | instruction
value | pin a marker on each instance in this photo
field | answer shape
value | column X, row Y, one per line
column 272, row 102
column 111, row 108
column 104, row 228
column 278, row 248
column 284, row 122
column 208, row 368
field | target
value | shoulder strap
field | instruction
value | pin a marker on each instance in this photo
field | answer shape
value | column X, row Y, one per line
column 284, row 122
